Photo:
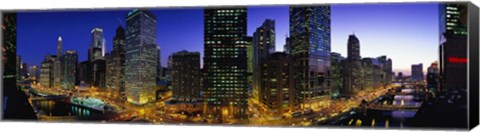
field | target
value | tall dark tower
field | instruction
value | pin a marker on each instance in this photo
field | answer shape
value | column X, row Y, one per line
column 453, row 46
column 115, row 66
column 225, row 63
column 263, row 46
column 353, row 51
column 140, row 56
column 15, row 105
column 352, row 68
column 309, row 44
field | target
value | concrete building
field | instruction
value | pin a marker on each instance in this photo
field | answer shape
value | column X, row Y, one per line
column 277, row 84
column 186, row 76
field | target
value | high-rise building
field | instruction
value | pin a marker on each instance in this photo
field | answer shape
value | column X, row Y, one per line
column 115, row 64
column 433, row 78
column 69, row 69
column 159, row 64
column 57, row 73
column 263, row 46
column 352, row 68
column 84, row 73
column 287, row 48
column 310, row 48
column 96, row 49
column 46, row 72
column 34, row 73
column 336, row 74
column 9, row 52
column 186, row 76
column 250, row 61
column 453, row 46
column 140, row 56
column 277, row 84
column 417, row 72
column 387, row 73
column 225, row 62
column 99, row 73
column 371, row 77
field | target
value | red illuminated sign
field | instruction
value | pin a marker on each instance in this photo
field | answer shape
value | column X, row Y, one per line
column 457, row 60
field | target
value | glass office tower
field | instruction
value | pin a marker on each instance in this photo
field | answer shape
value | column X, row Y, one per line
column 225, row 62
column 140, row 56
column 310, row 48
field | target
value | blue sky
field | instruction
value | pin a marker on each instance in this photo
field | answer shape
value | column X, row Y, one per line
column 407, row 33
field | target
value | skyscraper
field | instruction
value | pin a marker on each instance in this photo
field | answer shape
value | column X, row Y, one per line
column 115, row 64
column 352, row 66
column 140, row 56
column 9, row 52
column 263, row 46
column 388, row 73
column 34, row 73
column 46, row 71
column 310, row 48
column 186, row 75
column 159, row 64
column 433, row 78
column 277, row 84
column 453, row 46
column 225, row 62
column 336, row 74
column 69, row 69
column 417, row 72
column 96, row 49
column 57, row 73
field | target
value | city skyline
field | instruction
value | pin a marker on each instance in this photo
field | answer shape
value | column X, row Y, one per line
column 243, row 77
column 346, row 19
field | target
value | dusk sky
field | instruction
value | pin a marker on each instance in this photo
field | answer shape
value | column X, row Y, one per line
column 407, row 33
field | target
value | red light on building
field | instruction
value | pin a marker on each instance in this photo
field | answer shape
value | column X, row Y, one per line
column 457, row 60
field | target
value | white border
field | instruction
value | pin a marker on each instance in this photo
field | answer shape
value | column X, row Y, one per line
column 6, row 5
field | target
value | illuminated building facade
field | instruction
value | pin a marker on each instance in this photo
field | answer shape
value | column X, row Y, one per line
column 34, row 73
column 57, row 73
column 96, row 50
column 69, row 69
column 336, row 74
column 310, row 49
column 9, row 51
column 263, row 46
column 250, row 61
column 140, row 56
column 277, row 84
column 46, row 71
column 115, row 66
column 387, row 73
column 453, row 46
column 225, row 63
column 371, row 76
column 186, row 76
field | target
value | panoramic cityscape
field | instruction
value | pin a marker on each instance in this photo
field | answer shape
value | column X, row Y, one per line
column 302, row 65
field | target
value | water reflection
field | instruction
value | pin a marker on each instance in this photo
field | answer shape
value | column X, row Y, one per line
column 58, row 108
